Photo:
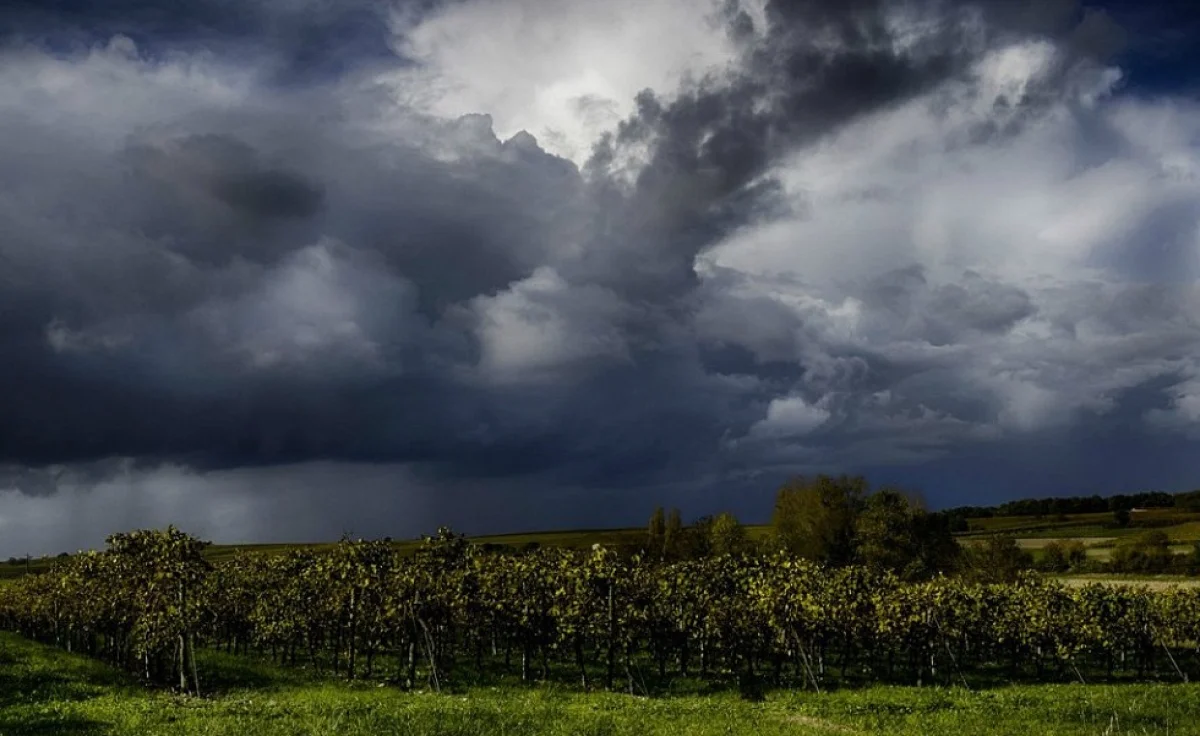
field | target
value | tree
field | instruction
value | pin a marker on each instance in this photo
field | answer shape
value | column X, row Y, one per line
column 816, row 518
column 886, row 532
column 1063, row 555
column 1192, row 561
column 1149, row 552
column 656, row 533
column 673, row 535
column 1054, row 558
column 998, row 560
column 1121, row 517
column 956, row 521
column 728, row 535
column 937, row 549
column 696, row 540
column 895, row 533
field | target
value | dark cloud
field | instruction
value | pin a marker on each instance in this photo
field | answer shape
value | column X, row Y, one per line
column 229, row 170
column 247, row 272
column 815, row 67
column 941, row 314
column 300, row 41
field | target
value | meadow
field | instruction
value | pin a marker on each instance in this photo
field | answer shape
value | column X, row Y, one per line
column 44, row 691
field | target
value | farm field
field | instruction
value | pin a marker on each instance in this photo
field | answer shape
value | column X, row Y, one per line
column 1098, row 548
column 1151, row 582
column 44, row 690
column 1095, row 531
column 1184, row 523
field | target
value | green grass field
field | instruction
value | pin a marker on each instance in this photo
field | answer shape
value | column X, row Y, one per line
column 46, row 691
column 1096, row 531
column 1180, row 523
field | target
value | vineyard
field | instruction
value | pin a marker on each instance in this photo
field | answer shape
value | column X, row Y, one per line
column 363, row 610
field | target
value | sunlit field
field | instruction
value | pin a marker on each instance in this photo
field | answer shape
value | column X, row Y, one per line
column 47, row 691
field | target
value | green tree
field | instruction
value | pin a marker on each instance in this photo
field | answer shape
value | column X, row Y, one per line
column 696, row 540
column 672, row 537
column 656, row 533
column 895, row 533
column 728, row 535
column 1054, row 557
column 1076, row 554
column 937, row 549
column 1189, row 564
column 1148, row 552
column 1062, row 555
column 886, row 532
column 816, row 518
column 998, row 560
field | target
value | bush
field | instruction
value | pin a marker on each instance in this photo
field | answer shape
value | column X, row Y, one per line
column 998, row 560
column 1063, row 556
column 1147, row 553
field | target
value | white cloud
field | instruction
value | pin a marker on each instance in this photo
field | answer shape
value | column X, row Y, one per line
column 1058, row 208
column 565, row 71
column 789, row 417
column 320, row 305
column 541, row 326
column 101, row 95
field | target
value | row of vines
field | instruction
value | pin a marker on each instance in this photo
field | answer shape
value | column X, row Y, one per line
column 452, row 610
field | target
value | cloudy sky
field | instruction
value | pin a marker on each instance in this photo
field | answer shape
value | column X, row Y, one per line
column 279, row 270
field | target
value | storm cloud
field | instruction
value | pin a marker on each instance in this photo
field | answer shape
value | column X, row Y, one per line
column 282, row 270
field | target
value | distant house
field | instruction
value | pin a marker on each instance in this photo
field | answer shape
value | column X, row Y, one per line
column 1138, row 511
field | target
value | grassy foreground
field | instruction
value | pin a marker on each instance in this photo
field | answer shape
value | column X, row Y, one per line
column 46, row 691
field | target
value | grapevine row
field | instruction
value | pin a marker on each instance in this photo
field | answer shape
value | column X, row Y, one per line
column 364, row 609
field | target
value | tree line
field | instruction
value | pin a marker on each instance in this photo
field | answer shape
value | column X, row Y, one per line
column 837, row 521
column 1094, row 504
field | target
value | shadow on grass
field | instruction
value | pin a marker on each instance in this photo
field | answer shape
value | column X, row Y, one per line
column 40, row 688
column 221, row 672
column 33, row 677
column 36, row 675
column 41, row 726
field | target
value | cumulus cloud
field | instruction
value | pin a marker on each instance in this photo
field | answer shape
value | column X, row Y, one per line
column 567, row 72
column 540, row 325
column 789, row 417
column 573, row 262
